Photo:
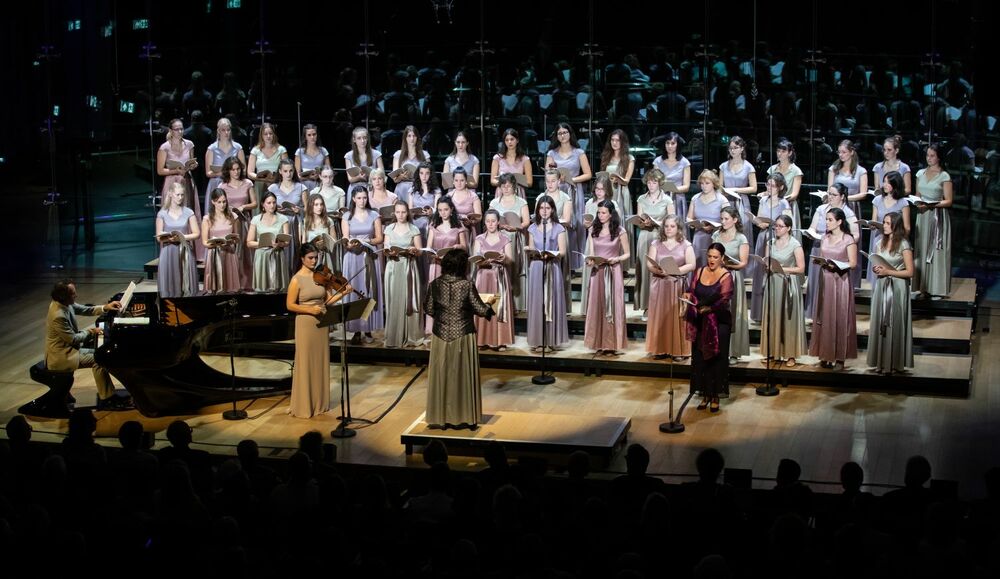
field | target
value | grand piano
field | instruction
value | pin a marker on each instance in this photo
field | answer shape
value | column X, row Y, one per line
column 153, row 349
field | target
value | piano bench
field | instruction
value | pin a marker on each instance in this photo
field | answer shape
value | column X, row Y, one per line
column 54, row 403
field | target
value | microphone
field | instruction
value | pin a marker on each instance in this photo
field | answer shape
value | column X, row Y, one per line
column 231, row 302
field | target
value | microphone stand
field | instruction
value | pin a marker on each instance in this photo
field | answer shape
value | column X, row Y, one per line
column 769, row 388
column 544, row 377
column 345, row 379
column 234, row 413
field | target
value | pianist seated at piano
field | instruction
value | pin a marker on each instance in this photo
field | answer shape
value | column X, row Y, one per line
column 64, row 341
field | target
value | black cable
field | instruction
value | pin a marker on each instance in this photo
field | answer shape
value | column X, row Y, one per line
column 396, row 401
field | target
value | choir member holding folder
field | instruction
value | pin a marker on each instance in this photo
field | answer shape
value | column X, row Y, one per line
column 607, row 248
column 834, row 333
column 671, row 260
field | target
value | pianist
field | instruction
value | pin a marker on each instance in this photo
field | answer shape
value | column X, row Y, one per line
column 64, row 340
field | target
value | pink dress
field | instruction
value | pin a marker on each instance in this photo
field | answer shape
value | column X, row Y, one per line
column 238, row 193
column 665, row 331
column 605, row 324
column 222, row 271
column 834, row 332
column 190, row 196
column 465, row 207
column 441, row 239
column 499, row 330
column 515, row 168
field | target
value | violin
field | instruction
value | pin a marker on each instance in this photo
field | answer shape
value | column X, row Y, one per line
column 332, row 281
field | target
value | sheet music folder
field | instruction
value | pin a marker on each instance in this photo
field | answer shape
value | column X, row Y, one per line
column 356, row 310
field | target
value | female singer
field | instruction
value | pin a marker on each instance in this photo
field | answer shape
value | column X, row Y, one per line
column 848, row 171
column 379, row 196
column 890, row 337
column 933, row 254
column 454, row 395
column 772, row 204
column 677, row 169
column 707, row 206
column 270, row 264
column 708, row 324
column 424, row 196
column 446, row 232
column 316, row 224
column 218, row 152
column 411, row 153
column 565, row 153
column 785, row 151
column 461, row 157
column 266, row 156
column 834, row 334
column 511, row 159
column 335, row 199
column 311, row 371
column 361, row 156
column 564, row 215
column 242, row 198
column 403, row 321
column 737, row 247
column 836, row 198
column 605, row 329
column 174, row 162
column 892, row 200
column 783, row 329
column 890, row 152
column 492, row 277
column 653, row 206
column 177, row 273
column 665, row 336
column 222, row 269
column 619, row 164
column 740, row 178
column 466, row 200
column 546, row 235
column 506, row 201
column 289, row 190
column 601, row 190
column 311, row 156
column 359, row 224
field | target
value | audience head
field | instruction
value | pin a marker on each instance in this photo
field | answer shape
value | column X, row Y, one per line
column 636, row 459
column 130, row 435
column 789, row 472
column 709, row 463
column 179, row 434
column 18, row 429
column 248, row 450
column 918, row 471
column 435, row 450
column 851, row 477
column 578, row 465
column 495, row 455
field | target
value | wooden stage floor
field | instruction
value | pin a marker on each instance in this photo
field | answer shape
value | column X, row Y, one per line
column 820, row 428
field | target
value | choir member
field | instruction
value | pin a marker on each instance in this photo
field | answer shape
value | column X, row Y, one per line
column 605, row 328
column 316, row 224
column 847, row 170
column 785, row 151
column 512, row 159
column 403, row 319
column 892, row 200
column 565, row 153
column 411, row 153
column 362, row 224
column 288, row 193
column 665, row 334
column 892, row 162
column 890, row 337
column 177, row 273
column 242, row 198
column 675, row 168
column 379, row 196
column 216, row 155
column 335, row 200
column 652, row 207
column 174, row 162
column 446, row 231
column 361, row 156
column 507, row 201
column 266, row 156
column 706, row 206
column 836, row 198
column 546, row 235
column 564, row 215
column 222, row 269
column 619, row 164
column 709, row 322
column 740, row 178
column 466, row 201
column 270, row 264
column 772, row 204
column 834, row 333
column 311, row 156
column 493, row 277
column 601, row 189
column 783, row 328
column 730, row 235
column 933, row 251
column 461, row 157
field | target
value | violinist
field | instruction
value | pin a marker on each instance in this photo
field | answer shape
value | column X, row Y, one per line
column 308, row 296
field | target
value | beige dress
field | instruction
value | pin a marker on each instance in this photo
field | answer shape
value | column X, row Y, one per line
column 311, row 376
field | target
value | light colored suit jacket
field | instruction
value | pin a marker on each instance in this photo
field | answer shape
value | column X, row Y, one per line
column 63, row 337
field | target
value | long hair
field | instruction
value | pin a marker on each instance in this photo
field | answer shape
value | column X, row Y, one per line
column 260, row 135
column 452, row 219
column 897, row 143
column 302, row 137
column 710, row 176
column 717, row 247
column 494, row 213
column 295, row 174
column 355, row 153
column 354, row 205
column 679, row 236
column 307, row 248
column 554, row 141
column 310, row 219
column 841, row 190
column 839, row 214
column 227, row 165
column 894, row 240
column 786, row 219
column 614, row 224
column 896, row 182
column 263, row 200
column 838, row 164
column 171, row 132
column 432, row 182
column 623, row 152
column 418, row 148
column 468, row 141
column 735, row 214
column 936, row 147
column 219, row 124
column 605, row 183
column 786, row 145
column 518, row 150
column 538, row 203
column 672, row 136
column 216, row 194
column 167, row 201
column 409, row 218
column 739, row 142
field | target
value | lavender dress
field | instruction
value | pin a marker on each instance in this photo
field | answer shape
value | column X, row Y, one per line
column 675, row 175
column 577, row 238
column 879, row 171
column 548, row 308
column 177, row 274
column 757, row 273
column 515, row 168
column 218, row 158
column 368, row 282
column 468, row 165
column 222, row 269
column 790, row 175
column 853, row 184
column 813, row 283
column 605, row 323
column 834, row 332
column 442, row 239
column 710, row 211
column 349, row 162
column 311, row 162
column 498, row 330
column 884, row 205
column 190, row 195
column 739, row 179
column 294, row 221
column 665, row 333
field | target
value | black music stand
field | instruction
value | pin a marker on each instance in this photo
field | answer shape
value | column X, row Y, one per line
column 342, row 313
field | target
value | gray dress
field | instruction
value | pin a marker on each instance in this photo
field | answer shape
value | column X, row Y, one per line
column 403, row 321
column 675, row 175
column 177, row 273
column 890, row 337
column 454, row 394
column 657, row 211
column 790, row 175
column 270, row 266
column 739, row 338
column 577, row 238
column 783, row 329
column 739, row 179
column 311, row 162
column 933, row 252
column 311, row 372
